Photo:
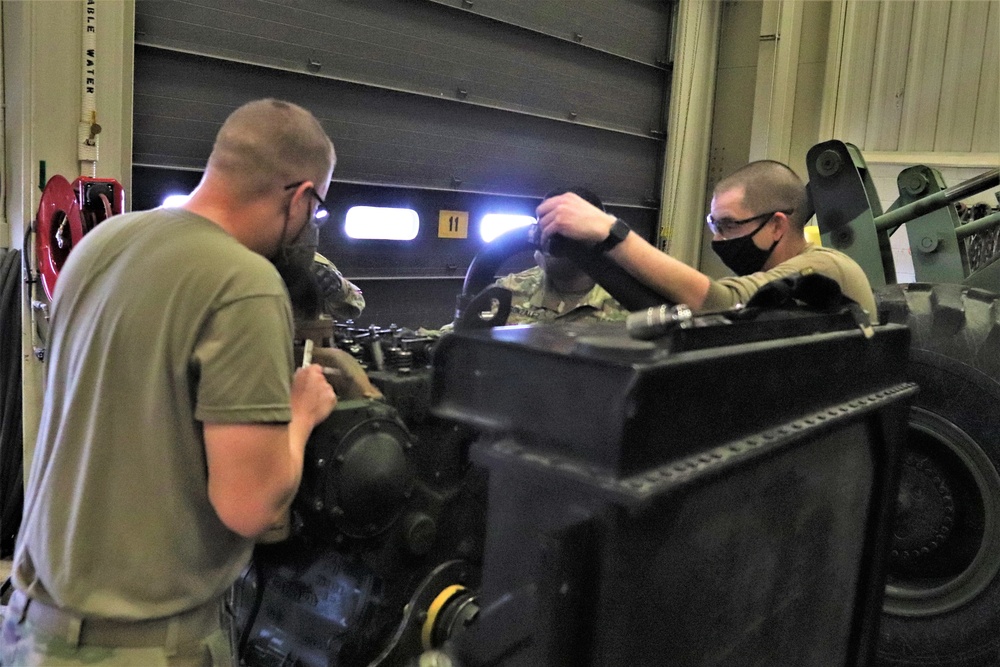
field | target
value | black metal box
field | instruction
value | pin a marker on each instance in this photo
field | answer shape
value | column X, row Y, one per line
column 721, row 496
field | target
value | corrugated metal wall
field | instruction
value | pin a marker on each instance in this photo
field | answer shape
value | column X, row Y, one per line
column 500, row 97
column 921, row 76
column 432, row 105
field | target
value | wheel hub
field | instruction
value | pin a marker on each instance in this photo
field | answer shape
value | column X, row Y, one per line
column 946, row 538
column 925, row 510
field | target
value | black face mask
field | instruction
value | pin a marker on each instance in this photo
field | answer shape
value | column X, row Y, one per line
column 741, row 254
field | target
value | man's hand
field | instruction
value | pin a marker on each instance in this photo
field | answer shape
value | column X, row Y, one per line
column 573, row 217
column 254, row 469
column 349, row 379
column 313, row 398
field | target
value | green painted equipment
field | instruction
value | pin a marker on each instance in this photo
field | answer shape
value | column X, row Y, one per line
column 942, row 602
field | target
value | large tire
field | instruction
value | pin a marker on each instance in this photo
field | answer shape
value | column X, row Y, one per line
column 942, row 604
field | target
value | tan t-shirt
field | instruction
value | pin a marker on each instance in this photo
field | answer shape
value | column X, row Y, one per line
column 727, row 292
column 161, row 321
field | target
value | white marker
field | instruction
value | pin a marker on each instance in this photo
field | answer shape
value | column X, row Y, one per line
column 307, row 353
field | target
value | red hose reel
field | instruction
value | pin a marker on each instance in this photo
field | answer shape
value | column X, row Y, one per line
column 66, row 212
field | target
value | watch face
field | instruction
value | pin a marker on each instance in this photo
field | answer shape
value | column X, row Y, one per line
column 620, row 230
column 616, row 235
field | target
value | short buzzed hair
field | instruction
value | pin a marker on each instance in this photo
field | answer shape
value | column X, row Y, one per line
column 583, row 193
column 769, row 185
column 271, row 143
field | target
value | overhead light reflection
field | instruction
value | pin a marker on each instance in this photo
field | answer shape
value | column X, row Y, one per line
column 175, row 201
column 376, row 222
column 495, row 224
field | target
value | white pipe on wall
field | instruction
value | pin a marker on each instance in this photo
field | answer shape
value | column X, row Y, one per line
column 87, row 144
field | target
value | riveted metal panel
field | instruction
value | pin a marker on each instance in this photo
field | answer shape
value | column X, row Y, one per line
column 387, row 137
column 636, row 29
column 427, row 48
column 438, row 106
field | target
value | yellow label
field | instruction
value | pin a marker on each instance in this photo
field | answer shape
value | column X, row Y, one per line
column 453, row 224
column 813, row 235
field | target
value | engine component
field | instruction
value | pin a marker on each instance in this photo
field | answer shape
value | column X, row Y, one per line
column 388, row 513
column 688, row 498
column 356, row 475
column 441, row 604
column 611, row 510
column 302, row 603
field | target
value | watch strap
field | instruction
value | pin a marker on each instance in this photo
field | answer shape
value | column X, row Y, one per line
column 616, row 235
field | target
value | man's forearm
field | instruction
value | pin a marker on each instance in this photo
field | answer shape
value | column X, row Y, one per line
column 673, row 279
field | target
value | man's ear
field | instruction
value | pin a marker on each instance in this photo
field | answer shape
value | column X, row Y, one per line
column 782, row 225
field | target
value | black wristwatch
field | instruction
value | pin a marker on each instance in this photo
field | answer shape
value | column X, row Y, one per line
column 618, row 232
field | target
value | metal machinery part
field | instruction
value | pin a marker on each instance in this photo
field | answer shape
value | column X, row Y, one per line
column 388, row 514
column 625, row 528
column 621, row 527
column 943, row 592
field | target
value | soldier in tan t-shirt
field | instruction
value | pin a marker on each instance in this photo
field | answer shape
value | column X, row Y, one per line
column 174, row 422
column 757, row 218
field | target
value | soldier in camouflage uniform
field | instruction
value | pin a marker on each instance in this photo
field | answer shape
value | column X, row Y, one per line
column 342, row 299
column 536, row 299
column 557, row 289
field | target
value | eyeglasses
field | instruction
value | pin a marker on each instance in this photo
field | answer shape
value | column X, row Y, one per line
column 321, row 213
column 726, row 226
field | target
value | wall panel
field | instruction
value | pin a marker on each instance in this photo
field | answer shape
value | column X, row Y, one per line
column 963, row 63
column 922, row 88
column 929, row 79
column 986, row 133
column 889, row 76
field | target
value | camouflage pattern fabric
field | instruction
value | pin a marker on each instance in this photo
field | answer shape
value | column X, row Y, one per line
column 532, row 302
column 342, row 299
column 21, row 645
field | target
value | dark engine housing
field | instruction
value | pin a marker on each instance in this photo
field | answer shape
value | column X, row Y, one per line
column 387, row 497
column 687, row 496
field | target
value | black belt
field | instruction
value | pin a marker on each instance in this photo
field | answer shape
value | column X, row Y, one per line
column 169, row 632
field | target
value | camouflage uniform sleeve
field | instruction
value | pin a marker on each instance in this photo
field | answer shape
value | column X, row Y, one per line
column 525, row 287
column 606, row 307
column 342, row 299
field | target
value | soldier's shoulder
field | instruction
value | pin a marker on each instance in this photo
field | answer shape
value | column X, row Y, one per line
column 523, row 281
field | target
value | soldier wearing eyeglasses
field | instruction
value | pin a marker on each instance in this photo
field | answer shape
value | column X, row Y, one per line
column 757, row 221
column 174, row 422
